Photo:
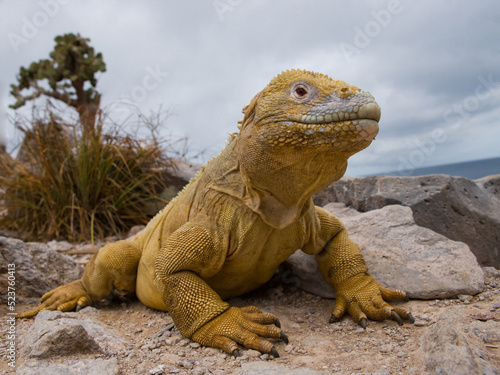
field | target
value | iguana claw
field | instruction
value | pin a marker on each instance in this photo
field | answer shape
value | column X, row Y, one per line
column 274, row 353
column 333, row 319
column 396, row 317
column 362, row 323
column 411, row 319
column 284, row 338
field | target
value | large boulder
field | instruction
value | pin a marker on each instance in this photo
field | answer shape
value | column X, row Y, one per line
column 399, row 254
column 37, row 267
column 456, row 207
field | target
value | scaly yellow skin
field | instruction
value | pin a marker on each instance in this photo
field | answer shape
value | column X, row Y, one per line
column 246, row 212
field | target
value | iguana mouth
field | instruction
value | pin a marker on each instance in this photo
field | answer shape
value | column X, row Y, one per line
column 365, row 129
column 350, row 119
column 322, row 114
column 351, row 133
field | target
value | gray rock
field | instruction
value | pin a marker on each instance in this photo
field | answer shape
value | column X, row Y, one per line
column 158, row 370
column 55, row 335
column 445, row 349
column 80, row 367
column 456, row 207
column 400, row 255
column 270, row 368
column 54, row 340
column 488, row 332
column 301, row 270
column 38, row 267
column 491, row 185
column 491, row 272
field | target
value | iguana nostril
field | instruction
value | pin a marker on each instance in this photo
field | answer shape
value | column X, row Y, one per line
column 345, row 92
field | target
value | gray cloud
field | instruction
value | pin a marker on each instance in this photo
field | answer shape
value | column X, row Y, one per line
column 419, row 59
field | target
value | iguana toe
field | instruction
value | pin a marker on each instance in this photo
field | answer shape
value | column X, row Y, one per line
column 64, row 298
column 30, row 314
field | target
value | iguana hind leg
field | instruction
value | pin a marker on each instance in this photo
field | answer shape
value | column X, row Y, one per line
column 113, row 266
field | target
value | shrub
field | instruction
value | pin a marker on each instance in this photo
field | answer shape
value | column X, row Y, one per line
column 66, row 186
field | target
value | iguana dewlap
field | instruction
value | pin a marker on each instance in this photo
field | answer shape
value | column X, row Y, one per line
column 246, row 212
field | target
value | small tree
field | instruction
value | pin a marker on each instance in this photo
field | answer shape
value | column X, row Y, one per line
column 71, row 78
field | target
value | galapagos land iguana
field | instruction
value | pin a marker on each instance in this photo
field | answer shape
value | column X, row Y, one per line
column 244, row 214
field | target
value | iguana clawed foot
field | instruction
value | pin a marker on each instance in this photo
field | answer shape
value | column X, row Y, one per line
column 248, row 326
column 63, row 298
column 364, row 298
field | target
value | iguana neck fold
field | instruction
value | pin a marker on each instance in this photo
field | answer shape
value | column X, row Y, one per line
column 280, row 192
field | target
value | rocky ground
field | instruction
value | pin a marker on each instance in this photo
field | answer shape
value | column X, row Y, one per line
column 144, row 341
column 151, row 345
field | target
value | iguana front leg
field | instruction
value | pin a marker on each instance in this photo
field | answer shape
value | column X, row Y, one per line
column 343, row 266
column 190, row 255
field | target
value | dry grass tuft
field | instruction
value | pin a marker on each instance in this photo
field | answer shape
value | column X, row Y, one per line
column 65, row 186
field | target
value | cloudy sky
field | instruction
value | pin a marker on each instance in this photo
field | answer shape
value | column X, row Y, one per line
column 434, row 67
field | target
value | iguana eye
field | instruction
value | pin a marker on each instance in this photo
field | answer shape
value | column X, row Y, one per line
column 302, row 92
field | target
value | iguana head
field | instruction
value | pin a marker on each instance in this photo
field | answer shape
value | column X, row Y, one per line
column 296, row 137
column 300, row 109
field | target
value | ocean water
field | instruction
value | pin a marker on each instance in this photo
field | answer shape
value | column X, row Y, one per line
column 471, row 169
